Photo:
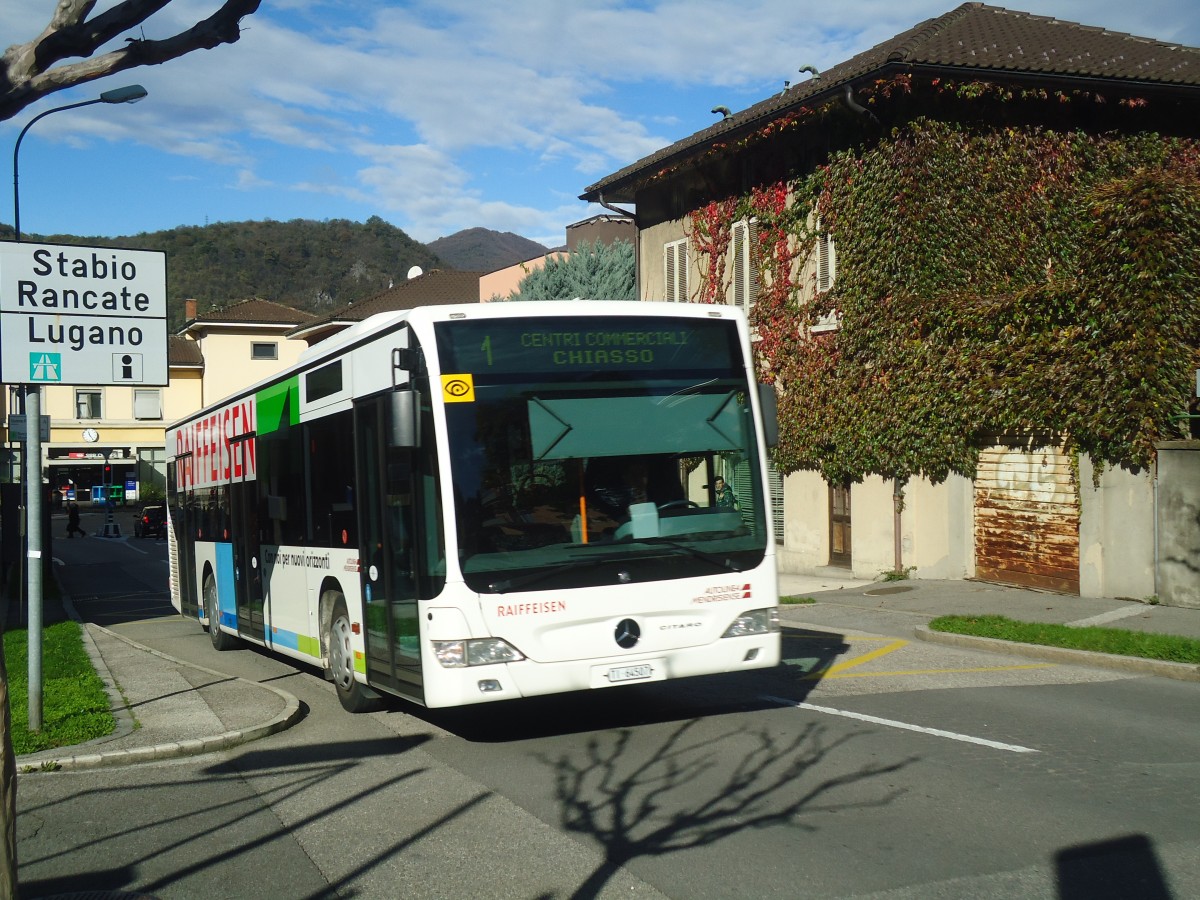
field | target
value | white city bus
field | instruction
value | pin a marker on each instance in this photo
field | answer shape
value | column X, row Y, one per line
column 458, row 504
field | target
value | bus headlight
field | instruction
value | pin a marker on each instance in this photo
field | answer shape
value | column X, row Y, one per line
column 754, row 621
column 476, row 652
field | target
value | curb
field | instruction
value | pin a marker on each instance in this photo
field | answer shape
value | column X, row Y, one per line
column 47, row 760
column 1133, row 664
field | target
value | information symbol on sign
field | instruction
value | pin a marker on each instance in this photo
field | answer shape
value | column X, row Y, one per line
column 127, row 367
column 45, row 367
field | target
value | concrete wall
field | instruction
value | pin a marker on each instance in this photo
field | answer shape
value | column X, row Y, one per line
column 1179, row 523
column 935, row 527
column 806, row 527
column 938, row 532
column 600, row 229
column 1116, row 533
column 651, row 274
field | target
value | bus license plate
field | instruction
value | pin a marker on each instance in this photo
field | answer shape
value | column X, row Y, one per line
column 630, row 673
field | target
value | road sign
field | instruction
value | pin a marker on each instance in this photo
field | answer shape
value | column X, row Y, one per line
column 82, row 315
column 18, row 432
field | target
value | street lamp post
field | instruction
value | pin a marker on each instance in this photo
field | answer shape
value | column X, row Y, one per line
column 33, row 442
column 129, row 94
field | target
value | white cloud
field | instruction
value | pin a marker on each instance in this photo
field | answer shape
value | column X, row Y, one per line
column 448, row 114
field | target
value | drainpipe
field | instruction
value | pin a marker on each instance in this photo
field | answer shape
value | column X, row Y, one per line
column 637, row 243
column 897, row 509
column 848, row 97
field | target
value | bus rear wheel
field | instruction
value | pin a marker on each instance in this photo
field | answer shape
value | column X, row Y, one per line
column 354, row 696
column 220, row 640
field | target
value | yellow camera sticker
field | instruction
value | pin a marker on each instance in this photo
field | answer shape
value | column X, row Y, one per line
column 458, row 389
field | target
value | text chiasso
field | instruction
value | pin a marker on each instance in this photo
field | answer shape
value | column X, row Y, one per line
column 216, row 448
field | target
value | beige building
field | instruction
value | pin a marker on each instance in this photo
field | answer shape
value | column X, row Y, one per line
column 1032, row 515
column 242, row 343
column 122, row 427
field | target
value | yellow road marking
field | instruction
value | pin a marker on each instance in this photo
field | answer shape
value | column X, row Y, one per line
column 866, row 657
column 841, row 670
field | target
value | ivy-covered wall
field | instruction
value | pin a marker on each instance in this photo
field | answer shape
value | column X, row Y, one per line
column 993, row 280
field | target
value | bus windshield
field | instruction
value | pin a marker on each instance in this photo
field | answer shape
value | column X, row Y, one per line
column 600, row 450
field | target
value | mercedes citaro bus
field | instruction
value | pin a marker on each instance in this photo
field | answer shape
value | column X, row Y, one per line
column 460, row 504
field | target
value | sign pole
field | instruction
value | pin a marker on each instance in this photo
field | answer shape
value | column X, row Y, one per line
column 33, row 518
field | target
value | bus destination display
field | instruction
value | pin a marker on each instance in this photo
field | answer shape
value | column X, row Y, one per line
column 560, row 345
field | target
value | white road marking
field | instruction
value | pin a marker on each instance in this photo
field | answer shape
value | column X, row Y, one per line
column 891, row 723
column 1124, row 612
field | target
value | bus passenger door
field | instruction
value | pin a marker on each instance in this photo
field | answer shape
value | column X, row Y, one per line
column 247, row 551
column 386, row 527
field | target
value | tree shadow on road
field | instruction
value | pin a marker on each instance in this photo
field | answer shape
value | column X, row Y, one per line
column 692, row 791
column 172, row 832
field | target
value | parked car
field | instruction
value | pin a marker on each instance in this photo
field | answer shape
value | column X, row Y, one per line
column 151, row 523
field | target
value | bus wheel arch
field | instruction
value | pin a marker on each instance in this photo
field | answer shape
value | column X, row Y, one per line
column 220, row 640
column 336, row 636
column 208, row 594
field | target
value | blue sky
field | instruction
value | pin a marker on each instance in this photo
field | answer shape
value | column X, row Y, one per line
column 437, row 115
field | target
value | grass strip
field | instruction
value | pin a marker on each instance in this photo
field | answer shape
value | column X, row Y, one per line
column 796, row 600
column 1119, row 641
column 75, row 706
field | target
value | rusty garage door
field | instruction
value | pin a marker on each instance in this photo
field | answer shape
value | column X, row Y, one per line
column 1027, row 519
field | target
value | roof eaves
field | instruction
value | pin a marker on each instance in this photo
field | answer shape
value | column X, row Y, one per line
column 911, row 51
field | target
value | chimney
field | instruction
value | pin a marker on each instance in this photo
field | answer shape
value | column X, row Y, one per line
column 189, row 310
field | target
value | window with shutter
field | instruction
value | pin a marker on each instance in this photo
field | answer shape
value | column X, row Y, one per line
column 675, row 266
column 826, row 262
column 745, row 266
column 775, row 486
column 88, row 405
column 147, row 404
column 737, row 476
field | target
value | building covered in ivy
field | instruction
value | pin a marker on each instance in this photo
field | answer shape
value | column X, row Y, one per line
column 969, row 257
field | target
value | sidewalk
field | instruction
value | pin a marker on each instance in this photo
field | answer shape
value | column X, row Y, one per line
column 912, row 603
column 183, row 709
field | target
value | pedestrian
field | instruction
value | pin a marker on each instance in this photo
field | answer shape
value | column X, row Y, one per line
column 73, row 520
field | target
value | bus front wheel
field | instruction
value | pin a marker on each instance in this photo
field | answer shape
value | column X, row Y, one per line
column 355, row 697
column 220, row 640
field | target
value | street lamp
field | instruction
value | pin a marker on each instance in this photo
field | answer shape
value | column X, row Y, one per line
column 131, row 93
column 33, row 443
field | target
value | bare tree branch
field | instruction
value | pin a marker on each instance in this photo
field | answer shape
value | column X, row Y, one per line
column 39, row 67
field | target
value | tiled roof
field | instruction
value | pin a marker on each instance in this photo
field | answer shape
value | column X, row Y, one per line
column 435, row 288
column 182, row 352
column 256, row 311
column 974, row 40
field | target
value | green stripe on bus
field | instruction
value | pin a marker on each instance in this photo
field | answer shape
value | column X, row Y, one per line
column 278, row 406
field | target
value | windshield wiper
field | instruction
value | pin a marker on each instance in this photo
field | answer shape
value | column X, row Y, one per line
column 725, row 564
column 508, row 584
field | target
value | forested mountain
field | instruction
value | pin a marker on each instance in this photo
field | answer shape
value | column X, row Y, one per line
column 310, row 265
column 481, row 250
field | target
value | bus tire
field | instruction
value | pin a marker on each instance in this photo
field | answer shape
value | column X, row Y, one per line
column 220, row 640
column 354, row 696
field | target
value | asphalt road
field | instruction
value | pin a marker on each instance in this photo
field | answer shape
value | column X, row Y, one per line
column 902, row 770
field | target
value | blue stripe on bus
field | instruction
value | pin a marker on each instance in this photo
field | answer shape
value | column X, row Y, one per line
column 288, row 640
column 226, row 589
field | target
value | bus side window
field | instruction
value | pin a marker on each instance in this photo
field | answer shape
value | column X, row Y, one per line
column 331, row 476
